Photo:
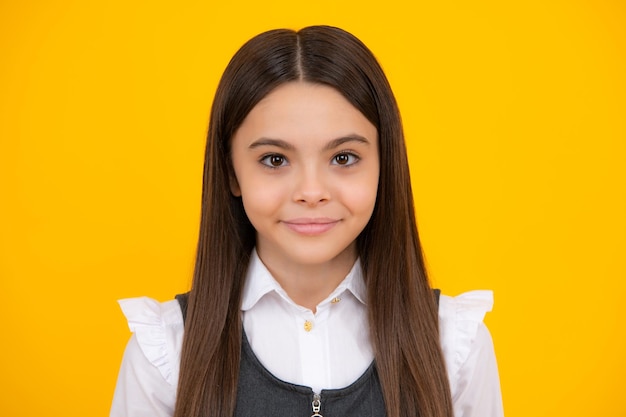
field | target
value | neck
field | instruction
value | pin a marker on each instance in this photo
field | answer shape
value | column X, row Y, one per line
column 309, row 284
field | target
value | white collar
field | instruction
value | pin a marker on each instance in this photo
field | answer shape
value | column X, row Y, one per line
column 259, row 282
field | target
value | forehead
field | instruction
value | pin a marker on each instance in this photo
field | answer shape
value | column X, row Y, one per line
column 300, row 109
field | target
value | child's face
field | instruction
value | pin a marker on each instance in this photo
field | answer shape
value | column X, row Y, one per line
column 306, row 166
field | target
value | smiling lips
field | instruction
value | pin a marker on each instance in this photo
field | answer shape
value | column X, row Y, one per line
column 311, row 227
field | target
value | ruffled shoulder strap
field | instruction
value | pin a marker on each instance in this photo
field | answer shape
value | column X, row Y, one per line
column 459, row 319
column 158, row 328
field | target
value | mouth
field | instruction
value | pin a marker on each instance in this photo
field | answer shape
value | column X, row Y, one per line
column 310, row 226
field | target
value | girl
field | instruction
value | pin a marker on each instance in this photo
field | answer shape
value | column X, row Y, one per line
column 310, row 295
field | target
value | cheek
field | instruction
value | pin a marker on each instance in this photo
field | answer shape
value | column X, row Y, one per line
column 362, row 199
column 364, row 202
column 260, row 199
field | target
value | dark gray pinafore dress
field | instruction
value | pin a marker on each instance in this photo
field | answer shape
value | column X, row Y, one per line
column 261, row 394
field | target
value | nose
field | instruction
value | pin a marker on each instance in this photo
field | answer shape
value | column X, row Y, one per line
column 311, row 188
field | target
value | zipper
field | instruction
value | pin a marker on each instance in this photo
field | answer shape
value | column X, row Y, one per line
column 316, row 405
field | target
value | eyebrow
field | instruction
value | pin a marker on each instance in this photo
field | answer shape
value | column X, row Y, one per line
column 335, row 143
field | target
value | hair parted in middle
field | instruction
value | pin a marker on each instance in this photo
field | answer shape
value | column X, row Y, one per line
column 402, row 312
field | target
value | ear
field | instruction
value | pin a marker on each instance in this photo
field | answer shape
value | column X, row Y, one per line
column 234, row 184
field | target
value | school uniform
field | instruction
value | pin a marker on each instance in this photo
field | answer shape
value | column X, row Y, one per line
column 292, row 357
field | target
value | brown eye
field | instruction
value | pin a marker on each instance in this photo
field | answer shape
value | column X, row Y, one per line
column 274, row 161
column 342, row 159
column 345, row 159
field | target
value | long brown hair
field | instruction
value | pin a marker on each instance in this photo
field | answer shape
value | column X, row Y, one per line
column 402, row 312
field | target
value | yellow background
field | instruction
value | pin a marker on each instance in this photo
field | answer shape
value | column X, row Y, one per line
column 515, row 117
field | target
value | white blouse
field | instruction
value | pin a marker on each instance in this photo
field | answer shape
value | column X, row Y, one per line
column 327, row 349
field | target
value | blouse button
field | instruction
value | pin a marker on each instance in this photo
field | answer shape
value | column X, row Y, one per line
column 308, row 326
